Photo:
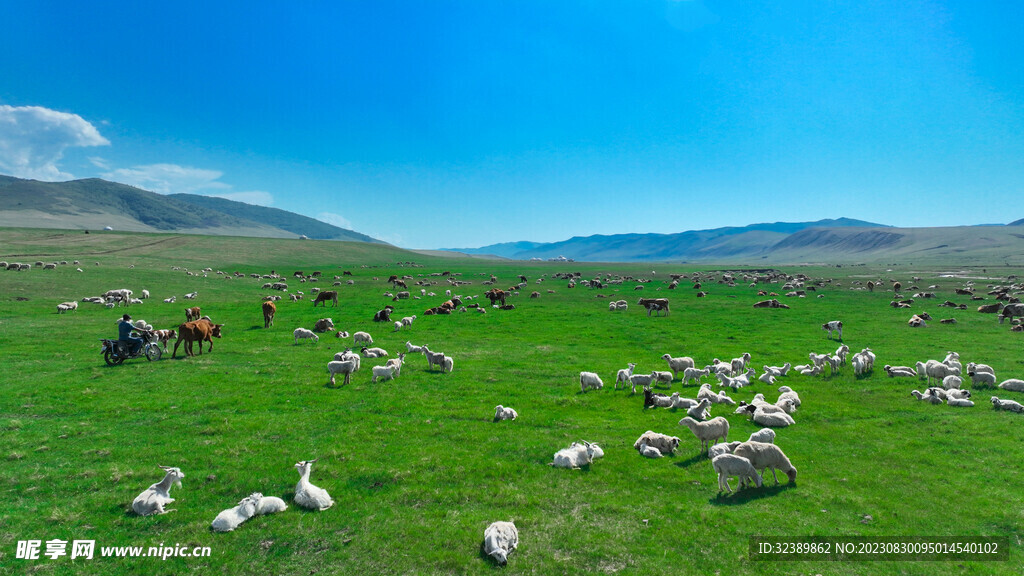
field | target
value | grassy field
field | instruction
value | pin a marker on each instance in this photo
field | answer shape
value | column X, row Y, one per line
column 416, row 466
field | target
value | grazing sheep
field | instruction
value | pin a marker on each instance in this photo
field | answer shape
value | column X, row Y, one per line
column 649, row 451
column 500, row 539
column 503, row 413
column 303, row 333
column 590, row 380
column 624, row 374
column 727, row 465
column 307, row 495
column 677, row 364
column 1010, row 405
column 270, row 505
column 1013, row 384
column 343, row 367
column 383, row 373
column 707, row 432
column 575, row 456
column 694, row 374
column 667, row 444
column 982, row 378
column 362, row 338
column 153, row 499
column 722, row 448
column 766, row 435
column 764, row 456
column 232, row 518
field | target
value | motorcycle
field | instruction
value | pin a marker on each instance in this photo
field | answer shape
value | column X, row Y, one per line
column 115, row 351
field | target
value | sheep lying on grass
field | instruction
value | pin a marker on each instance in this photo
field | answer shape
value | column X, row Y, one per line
column 1009, row 405
column 500, row 539
column 727, row 465
column 575, row 456
column 503, row 413
column 307, row 495
column 232, row 518
column 666, row 444
column 649, row 451
column 270, row 505
column 153, row 499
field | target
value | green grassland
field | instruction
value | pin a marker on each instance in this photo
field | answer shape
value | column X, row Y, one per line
column 416, row 466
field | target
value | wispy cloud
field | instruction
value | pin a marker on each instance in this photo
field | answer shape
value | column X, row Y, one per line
column 33, row 140
column 175, row 179
column 99, row 162
column 334, row 220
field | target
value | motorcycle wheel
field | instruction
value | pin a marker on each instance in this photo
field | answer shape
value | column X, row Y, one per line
column 153, row 353
column 112, row 359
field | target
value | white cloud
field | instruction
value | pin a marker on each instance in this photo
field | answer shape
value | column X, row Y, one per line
column 169, row 178
column 334, row 220
column 99, row 162
column 33, row 140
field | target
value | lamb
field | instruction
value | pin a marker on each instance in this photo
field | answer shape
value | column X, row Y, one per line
column 270, row 505
column 765, row 435
column 1013, row 384
column 727, row 465
column 972, row 367
column 447, row 364
column 700, row 412
column 900, row 371
column 812, row 370
column 764, row 456
column 624, row 374
column 740, row 364
column 433, row 358
column 407, row 321
column 785, row 392
column 694, row 374
column 575, row 456
column 590, row 380
column 397, row 363
column 232, row 518
column 644, row 380
column 952, row 382
column 707, row 432
column 842, row 352
column 503, row 413
column 666, row 444
column 373, row 352
column 500, row 539
column 362, row 338
column 413, row 349
column 307, row 495
column 1007, row 405
column 663, row 377
column 778, row 371
column 649, row 451
column 398, row 326
column 684, row 403
column 963, row 402
column 938, row 370
column 982, row 378
column 767, row 378
column 679, row 363
column 957, row 393
column 343, row 367
column 929, row 398
column 303, row 333
column 765, row 417
column 153, row 499
column 658, row 400
column 714, row 397
column 833, row 326
column 383, row 372
column 65, row 306
column 722, row 448
column 170, row 300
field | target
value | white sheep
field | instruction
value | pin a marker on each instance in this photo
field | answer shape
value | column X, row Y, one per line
column 727, row 465
column 739, row 365
column 307, row 495
column 957, row 393
column 679, row 363
column 682, row 403
column 714, row 397
column 575, row 456
column 722, row 448
column 397, row 363
column 973, row 367
column 667, row 444
column 767, row 378
column 270, row 505
column 623, row 374
column 590, row 380
column 963, row 402
column 700, row 412
column 926, row 397
column 504, row 413
column 433, row 358
column 362, row 338
column 707, row 432
column 952, row 382
column 373, row 352
column 665, row 376
column 694, row 374
column 170, row 300
column 383, row 373
column 900, row 371
column 398, row 326
column 1013, row 384
column 642, row 380
column 232, row 518
column 153, row 499
column 766, row 435
column 447, row 364
column 649, row 451
column 785, row 392
column 982, row 378
column 407, row 321
column 1010, row 405
column 764, row 456
column 412, row 348
column 303, row 333
column 763, row 416
column 842, row 352
column 778, row 371
column 500, row 539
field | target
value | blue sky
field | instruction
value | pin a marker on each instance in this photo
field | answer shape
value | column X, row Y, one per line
column 461, row 124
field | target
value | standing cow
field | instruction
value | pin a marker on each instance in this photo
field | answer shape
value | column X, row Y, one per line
column 197, row 331
column 269, row 309
column 326, row 295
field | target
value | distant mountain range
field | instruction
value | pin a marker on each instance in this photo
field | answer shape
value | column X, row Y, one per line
column 95, row 204
column 824, row 241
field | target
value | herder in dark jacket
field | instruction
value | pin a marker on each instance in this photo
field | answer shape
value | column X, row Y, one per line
column 124, row 334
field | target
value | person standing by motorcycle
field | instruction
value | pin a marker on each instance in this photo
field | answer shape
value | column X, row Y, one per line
column 124, row 334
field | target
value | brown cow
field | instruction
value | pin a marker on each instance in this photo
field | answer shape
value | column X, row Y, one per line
column 192, row 313
column 197, row 331
column 331, row 295
column 496, row 295
column 269, row 309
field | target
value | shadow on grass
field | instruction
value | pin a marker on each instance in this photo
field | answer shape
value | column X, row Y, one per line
column 487, row 558
column 743, row 496
column 692, row 460
column 255, row 327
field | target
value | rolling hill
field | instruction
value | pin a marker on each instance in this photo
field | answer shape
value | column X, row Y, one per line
column 94, row 204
